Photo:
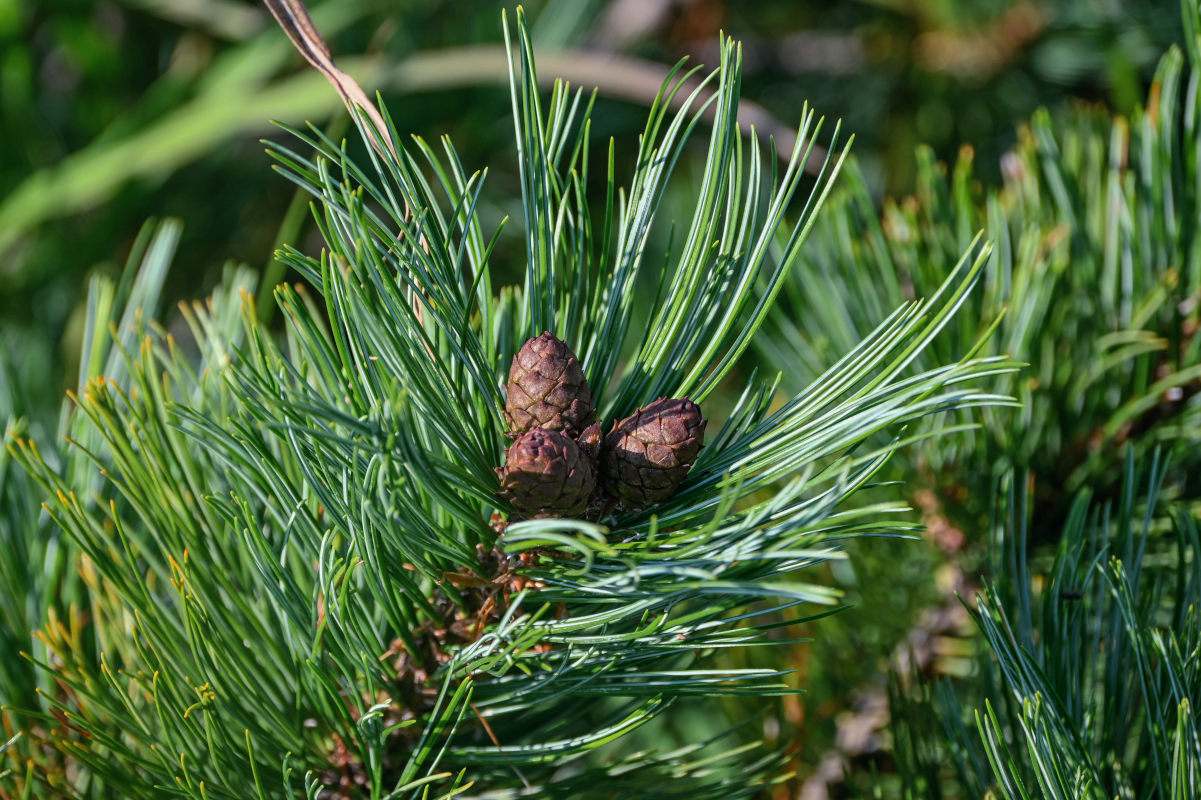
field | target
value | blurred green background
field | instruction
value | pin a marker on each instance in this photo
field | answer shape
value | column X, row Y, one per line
column 115, row 111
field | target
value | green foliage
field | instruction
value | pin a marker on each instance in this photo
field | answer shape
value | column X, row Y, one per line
column 113, row 110
column 271, row 562
column 297, row 579
column 38, row 568
column 1096, row 271
column 1091, row 678
column 1096, row 280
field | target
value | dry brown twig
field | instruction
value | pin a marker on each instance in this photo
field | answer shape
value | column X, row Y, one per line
column 294, row 18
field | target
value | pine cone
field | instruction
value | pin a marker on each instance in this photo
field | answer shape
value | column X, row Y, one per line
column 547, row 475
column 547, row 389
column 646, row 456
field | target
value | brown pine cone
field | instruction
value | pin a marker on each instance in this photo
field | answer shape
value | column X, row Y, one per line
column 546, row 475
column 647, row 455
column 547, row 388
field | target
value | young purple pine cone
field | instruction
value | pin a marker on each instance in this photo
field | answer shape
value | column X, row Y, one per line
column 547, row 389
column 646, row 456
column 547, row 475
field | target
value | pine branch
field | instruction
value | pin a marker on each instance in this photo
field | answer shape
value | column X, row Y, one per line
column 1093, row 281
column 297, row 565
column 1086, row 692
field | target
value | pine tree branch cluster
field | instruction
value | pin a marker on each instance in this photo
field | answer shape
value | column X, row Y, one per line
column 1085, row 687
column 1096, row 266
column 291, row 574
column 291, row 543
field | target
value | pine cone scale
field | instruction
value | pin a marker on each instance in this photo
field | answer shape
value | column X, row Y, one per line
column 546, row 474
column 547, row 388
column 646, row 456
column 661, row 455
